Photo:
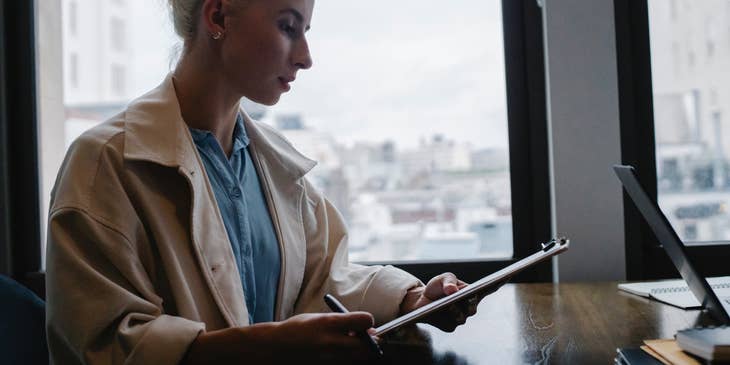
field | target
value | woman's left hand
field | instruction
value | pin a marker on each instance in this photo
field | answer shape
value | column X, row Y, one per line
column 438, row 287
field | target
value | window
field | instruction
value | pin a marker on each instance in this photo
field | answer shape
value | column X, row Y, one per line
column 100, row 72
column 20, row 225
column 72, row 18
column 119, row 76
column 118, row 34
column 674, row 91
column 423, row 142
column 73, row 70
column 412, row 142
column 692, row 131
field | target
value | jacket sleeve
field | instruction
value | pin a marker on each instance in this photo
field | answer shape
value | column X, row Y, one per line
column 102, row 307
column 375, row 289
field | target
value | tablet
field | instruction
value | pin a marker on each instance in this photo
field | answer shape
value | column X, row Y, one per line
column 491, row 281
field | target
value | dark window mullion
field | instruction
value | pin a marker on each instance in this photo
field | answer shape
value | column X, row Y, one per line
column 5, row 253
column 527, row 114
column 637, row 127
column 21, row 208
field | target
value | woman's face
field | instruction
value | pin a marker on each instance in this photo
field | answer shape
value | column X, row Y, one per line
column 265, row 46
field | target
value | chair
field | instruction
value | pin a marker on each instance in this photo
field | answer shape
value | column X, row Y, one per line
column 22, row 325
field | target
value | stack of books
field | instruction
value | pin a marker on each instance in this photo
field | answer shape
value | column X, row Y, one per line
column 709, row 343
column 693, row 346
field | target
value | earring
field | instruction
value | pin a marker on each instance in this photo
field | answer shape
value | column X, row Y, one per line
column 217, row 35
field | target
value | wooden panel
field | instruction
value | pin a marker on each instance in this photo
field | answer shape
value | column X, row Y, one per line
column 544, row 324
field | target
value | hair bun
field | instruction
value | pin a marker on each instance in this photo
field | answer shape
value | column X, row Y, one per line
column 185, row 16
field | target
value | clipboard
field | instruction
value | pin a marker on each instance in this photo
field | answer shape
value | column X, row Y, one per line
column 549, row 249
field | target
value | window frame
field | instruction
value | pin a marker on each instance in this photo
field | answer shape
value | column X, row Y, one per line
column 20, row 227
column 527, row 119
column 528, row 153
column 645, row 257
column 5, row 254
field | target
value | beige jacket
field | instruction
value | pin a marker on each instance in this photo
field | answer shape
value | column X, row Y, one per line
column 138, row 259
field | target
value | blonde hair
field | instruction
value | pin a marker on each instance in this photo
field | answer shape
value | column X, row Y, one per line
column 185, row 14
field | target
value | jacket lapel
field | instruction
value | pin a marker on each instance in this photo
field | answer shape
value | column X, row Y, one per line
column 156, row 132
column 281, row 168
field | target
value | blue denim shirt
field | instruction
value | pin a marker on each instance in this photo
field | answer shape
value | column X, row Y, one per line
column 246, row 216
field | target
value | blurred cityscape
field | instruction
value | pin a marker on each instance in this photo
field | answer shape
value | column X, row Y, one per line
column 442, row 199
column 690, row 47
column 439, row 200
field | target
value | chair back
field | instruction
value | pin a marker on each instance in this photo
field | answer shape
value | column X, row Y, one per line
column 22, row 325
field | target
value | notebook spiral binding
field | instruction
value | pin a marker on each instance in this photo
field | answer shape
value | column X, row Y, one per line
column 681, row 289
column 708, row 327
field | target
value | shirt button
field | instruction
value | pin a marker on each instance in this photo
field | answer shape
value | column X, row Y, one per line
column 236, row 193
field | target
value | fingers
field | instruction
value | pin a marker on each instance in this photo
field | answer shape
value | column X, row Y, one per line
column 341, row 334
column 441, row 286
column 450, row 283
column 352, row 321
column 471, row 309
column 326, row 337
column 449, row 319
column 470, row 305
column 458, row 314
column 454, row 315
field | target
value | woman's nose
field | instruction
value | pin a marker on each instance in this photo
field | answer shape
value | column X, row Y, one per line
column 303, row 59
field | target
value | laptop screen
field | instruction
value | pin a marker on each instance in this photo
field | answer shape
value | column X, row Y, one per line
column 669, row 239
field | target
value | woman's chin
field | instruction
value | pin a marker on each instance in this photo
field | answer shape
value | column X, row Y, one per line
column 268, row 100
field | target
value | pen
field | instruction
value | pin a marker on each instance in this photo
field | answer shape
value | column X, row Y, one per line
column 336, row 306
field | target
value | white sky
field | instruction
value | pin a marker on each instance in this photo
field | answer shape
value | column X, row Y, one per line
column 400, row 70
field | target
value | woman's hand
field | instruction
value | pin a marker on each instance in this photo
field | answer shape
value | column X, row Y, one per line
column 438, row 287
column 329, row 337
column 309, row 338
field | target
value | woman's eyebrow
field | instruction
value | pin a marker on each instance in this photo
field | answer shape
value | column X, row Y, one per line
column 296, row 14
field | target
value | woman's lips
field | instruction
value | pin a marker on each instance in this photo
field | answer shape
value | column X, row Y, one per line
column 285, row 81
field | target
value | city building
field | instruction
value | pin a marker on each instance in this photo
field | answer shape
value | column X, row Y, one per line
column 96, row 51
column 690, row 48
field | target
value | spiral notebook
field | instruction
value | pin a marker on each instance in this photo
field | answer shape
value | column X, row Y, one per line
column 676, row 292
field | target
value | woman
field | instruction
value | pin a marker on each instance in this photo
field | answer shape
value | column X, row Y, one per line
column 181, row 231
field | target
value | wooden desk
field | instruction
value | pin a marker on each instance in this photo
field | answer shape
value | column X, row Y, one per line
column 544, row 324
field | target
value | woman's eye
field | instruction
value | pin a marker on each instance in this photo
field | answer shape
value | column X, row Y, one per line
column 288, row 29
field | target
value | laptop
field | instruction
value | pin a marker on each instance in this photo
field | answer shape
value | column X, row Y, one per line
column 718, row 307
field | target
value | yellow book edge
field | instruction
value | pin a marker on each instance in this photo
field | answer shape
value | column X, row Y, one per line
column 670, row 352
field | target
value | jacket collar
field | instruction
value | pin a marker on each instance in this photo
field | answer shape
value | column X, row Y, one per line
column 155, row 131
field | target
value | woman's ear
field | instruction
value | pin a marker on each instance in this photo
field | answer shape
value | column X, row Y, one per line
column 212, row 18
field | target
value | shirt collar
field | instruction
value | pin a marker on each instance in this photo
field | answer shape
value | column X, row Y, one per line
column 240, row 138
column 199, row 135
column 155, row 131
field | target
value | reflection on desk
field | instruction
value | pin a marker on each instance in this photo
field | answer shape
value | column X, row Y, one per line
column 544, row 324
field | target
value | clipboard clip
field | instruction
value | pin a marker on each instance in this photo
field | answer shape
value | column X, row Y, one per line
column 555, row 241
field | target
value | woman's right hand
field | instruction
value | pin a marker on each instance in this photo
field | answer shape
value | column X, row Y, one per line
column 325, row 338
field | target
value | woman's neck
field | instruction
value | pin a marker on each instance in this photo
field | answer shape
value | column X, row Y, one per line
column 205, row 101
